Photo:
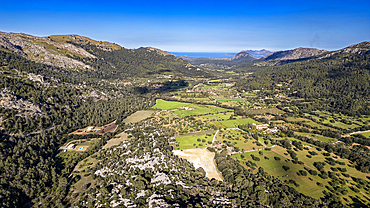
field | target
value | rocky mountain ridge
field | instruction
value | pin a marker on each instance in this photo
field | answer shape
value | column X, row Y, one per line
column 44, row 50
column 297, row 53
column 300, row 54
column 103, row 45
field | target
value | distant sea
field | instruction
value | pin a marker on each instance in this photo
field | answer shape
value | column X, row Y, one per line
column 205, row 54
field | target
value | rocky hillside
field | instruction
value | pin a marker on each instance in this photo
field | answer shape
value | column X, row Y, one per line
column 96, row 59
column 297, row 53
column 44, row 50
column 103, row 45
column 359, row 49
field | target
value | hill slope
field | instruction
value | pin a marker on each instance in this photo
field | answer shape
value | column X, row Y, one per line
column 341, row 80
column 297, row 53
column 96, row 58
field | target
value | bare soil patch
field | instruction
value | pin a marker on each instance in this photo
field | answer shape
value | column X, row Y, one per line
column 201, row 158
column 138, row 116
column 116, row 141
column 109, row 128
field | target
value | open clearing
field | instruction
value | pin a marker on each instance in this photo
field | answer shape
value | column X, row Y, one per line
column 138, row 116
column 201, row 158
column 109, row 128
column 116, row 141
column 187, row 142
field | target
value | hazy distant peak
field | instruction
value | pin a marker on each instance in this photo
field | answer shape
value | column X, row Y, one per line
column 258, row 53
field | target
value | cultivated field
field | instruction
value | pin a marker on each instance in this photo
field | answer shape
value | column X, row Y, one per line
column 168, row 105
column 200, row 110
column 201, row 158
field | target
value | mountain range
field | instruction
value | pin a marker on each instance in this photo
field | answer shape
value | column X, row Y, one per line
column 55, row 89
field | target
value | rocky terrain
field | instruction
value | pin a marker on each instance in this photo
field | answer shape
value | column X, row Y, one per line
column 103, row 45
column 45, row 50
column 9, row 101
column 297, row 53
column 359, row 49
column 147, row 173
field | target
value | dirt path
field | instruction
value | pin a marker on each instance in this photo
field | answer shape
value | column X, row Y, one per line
column 214, row 137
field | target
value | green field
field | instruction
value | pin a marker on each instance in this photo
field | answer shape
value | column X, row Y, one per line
column 187, row 142
column 200, row 110
column 237, row 122
column 168, row 105
column 218, row 117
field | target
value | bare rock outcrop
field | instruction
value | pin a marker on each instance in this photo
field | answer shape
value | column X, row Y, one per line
column 45, row 50
column 10, row 101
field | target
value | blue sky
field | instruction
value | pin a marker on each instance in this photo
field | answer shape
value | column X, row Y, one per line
column 196, row 26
